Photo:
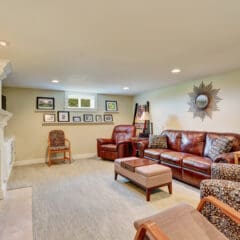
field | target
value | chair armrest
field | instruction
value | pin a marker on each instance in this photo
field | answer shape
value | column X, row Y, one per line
column 225, row 171
column 226, row 209
column 153, row 229
column 104, row 141
column 68, row 142
column 225, row 158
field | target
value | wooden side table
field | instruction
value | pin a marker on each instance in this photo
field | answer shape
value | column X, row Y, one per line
column 236, row 157
column 135, row 142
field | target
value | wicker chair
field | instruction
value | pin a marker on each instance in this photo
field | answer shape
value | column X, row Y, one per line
column 225, row 186
column 57, row 143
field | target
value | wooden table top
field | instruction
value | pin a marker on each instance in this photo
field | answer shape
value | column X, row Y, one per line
column 132, row 164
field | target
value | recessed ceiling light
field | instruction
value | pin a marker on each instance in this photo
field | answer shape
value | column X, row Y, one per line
column 176, row 70
column 3, row 43
column 125, row 88
column 55, row 81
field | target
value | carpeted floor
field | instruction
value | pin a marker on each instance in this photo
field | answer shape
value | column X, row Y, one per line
column 82, row 201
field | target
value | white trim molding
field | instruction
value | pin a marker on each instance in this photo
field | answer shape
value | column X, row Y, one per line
column 44, row 160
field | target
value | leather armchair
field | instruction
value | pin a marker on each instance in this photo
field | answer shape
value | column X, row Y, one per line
column 119, row 145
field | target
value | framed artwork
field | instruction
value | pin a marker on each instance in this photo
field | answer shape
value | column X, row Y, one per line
column 45, row 103
column 88, row 117
column 76, row 119
column 98, row 118
column 111, row 106
column 49, row 117
column 63, row 116
column 108, row 118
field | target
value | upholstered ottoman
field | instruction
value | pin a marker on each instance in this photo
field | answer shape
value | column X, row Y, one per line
column 148, row 176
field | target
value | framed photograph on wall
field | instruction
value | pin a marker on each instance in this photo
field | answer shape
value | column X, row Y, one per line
column 111, row 106
column 49, row 117
column 76, row 119
column 63, row 116
column 98, row 118
column 108, row 118
column 45, row 103
column 88, row 117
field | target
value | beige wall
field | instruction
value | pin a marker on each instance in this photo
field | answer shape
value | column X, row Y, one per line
column 31, row 136
column 169, row 108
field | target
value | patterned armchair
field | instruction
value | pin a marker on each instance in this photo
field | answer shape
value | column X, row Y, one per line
column 119, row 145
column 225, row 186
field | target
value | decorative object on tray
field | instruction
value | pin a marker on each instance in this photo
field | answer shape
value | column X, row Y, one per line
column 111, row 106
column 203, row 100
column 76, row 119
column 108, row 118
column 63, row 116
column 49, row 117
column 98, row 118
column 88, row 117
column 45, row 103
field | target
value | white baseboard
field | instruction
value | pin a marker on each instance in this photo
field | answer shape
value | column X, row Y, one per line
column 43, row 160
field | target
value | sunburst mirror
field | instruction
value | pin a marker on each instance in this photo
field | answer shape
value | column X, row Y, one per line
column 203, row 100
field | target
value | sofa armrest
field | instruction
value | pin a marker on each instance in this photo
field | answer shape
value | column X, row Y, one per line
column 104, row 141
column 142, row 145
column 225, row 171
column 225, row 158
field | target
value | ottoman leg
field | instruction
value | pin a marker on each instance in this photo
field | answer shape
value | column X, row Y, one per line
column 170, row 188
column 115, row 175
column 148, row 192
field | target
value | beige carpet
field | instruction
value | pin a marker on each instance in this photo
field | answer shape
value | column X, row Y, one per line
column 82, row 201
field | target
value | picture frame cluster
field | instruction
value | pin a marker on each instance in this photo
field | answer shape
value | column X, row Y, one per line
column 47, row 105
column 64, row 117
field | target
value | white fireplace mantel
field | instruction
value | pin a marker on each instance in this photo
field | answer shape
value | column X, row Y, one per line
column 5, row 69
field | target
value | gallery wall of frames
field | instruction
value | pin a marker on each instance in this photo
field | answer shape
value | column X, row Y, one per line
column 46, row 106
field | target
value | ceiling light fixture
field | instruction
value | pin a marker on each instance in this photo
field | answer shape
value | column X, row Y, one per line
column 176, row 70
column 55, row 81
column 3, row 43
column 125, row 88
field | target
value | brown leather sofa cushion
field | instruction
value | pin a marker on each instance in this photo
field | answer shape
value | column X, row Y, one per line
column 174, row 157
column 173, row 139
column 192, row 142
column 154, row 153
column 199, row 164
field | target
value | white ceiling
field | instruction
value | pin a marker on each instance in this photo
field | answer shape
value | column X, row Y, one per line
column 104, row 45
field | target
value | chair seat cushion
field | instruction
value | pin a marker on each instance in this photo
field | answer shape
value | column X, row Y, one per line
column 109, row 147
column 58, row 148
column 174, row 223
column 202, row 164
column 174, row 157
column 154, row 153
column 153, row 170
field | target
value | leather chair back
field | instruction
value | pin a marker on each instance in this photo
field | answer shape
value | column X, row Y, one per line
column 123, row 132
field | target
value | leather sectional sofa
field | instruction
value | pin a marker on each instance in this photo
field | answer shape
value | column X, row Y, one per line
column 187, row 153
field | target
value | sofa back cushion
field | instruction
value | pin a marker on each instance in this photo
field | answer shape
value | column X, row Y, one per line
column 193, row 142
column 173, row 139
column 123, row 132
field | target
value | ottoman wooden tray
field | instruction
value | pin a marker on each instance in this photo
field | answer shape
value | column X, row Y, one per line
column 148, row 176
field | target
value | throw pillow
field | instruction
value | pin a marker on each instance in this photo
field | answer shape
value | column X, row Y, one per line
column 219, row 146
column 157, row 141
